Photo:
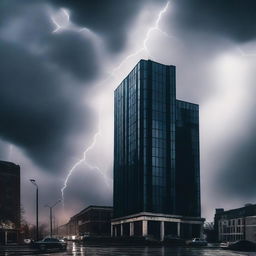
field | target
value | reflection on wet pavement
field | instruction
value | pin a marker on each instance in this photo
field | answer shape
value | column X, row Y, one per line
column 81, row 250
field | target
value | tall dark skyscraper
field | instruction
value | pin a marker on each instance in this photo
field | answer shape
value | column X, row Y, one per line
column 156, row 156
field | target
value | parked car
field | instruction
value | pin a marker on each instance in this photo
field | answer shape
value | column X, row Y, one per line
column 174, row 240
column 242, row 245
column 50, row 243
column 198, row 242
column 224, row 246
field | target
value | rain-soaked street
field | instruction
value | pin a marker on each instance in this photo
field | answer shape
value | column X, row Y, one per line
column 82, row 250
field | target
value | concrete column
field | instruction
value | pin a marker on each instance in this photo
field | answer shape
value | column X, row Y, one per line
column 6, row 237
column 112, row 227
column 122, row 230
column 131, row 228
column 190, row 231
column 144, row 228
column 115, row 231
column 202, row 231
column 162, row 231
column 178, row 229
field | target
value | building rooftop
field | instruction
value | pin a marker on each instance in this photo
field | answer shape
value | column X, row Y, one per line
column 188, row 104
column 9, row 168
column 247, row 210
column 97, row 207
column 145, row 60
column 7, row 164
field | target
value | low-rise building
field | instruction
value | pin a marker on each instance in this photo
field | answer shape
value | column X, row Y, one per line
column 236, row 224
column 90, row 222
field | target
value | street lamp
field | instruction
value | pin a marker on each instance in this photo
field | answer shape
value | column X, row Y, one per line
column 50, row 207
column 34, row 183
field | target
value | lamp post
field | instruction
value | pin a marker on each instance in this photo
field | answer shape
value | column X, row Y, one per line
column 50, row 207
column 34, row 183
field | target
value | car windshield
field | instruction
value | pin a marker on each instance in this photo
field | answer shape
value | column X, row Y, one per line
column 51, row 240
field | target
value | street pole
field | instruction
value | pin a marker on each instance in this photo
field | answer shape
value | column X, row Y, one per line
column 37, row 235
column 51, row 219
column 53, row 225
column 50, row 207
column 34, row 183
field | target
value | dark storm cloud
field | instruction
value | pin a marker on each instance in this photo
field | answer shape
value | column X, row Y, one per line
column 36, row 111
column 31, row 27
column 231, row 18
column 75, row 54
column 41, row 92
column 110, row 18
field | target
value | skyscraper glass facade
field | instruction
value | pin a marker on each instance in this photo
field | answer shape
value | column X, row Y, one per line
column 187, row 159
column 145, row 178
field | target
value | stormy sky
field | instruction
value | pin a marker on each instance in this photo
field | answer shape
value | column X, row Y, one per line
column 61, row 61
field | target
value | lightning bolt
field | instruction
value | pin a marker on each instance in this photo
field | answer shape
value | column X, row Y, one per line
column 98, row 133
column 79, row 162
column 58, row 26
column 84, row 160
column 147, row 37
column 71, row 26
column 156, row 27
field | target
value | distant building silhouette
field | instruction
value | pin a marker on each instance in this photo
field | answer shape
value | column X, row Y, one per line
column 236, row 224
column 9, row 202
column 93, row 221
column 156, row 156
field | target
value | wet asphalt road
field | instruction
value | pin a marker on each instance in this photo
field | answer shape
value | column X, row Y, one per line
column 81, row 250
column 148, row 251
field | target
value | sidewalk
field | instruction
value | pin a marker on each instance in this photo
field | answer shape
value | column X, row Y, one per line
column 17, row 250
column 23, row 250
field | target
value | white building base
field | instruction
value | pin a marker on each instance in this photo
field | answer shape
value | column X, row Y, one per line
column 157, row 225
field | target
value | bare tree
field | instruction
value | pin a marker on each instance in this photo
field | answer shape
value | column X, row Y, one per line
column 208, row 226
